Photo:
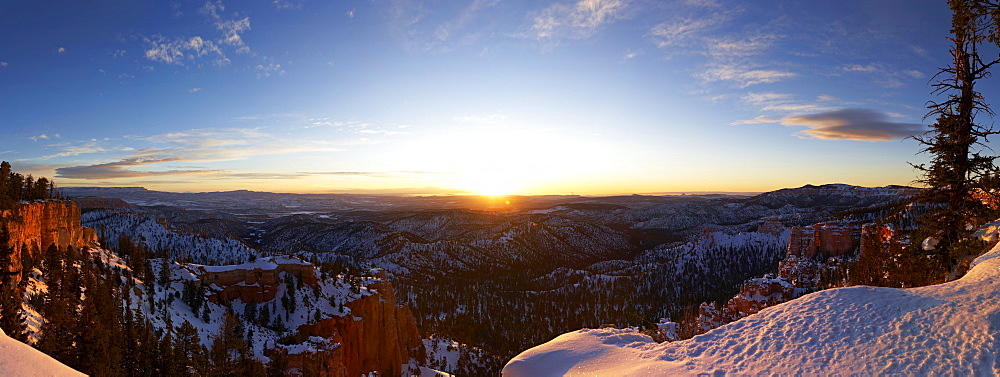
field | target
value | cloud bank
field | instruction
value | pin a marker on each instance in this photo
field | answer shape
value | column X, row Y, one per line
column 852, row 124
column 120, row 169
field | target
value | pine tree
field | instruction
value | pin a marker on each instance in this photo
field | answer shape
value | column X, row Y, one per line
column 958, row 170
column 11, row 312
column 230, row 352
column 189, row 349
column 99, row 338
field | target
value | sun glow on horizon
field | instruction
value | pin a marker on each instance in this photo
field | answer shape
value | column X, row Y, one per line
column 496, row 160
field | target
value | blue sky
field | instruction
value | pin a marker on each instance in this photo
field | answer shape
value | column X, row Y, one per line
column 452, row 97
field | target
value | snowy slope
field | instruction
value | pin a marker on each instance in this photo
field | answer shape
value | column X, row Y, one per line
column 946, row 329
column 19, row 359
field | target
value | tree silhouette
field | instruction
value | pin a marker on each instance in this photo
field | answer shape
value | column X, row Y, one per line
column 958, row 169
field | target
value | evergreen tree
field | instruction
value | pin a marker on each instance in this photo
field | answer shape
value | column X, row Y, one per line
column 99, row 339
column 958, row 170
column 11, row 312
column 189, row 349
column 230, row 352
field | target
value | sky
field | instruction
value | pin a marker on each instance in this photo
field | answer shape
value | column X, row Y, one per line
column 587, row 97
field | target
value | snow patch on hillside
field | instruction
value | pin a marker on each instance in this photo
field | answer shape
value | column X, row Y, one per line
column 947, row 329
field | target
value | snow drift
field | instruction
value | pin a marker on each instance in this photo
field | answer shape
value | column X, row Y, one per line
column 947, row 329
column 19, row 359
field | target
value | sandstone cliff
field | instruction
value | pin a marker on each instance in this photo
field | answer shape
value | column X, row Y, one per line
column 33, row 227
column 377, row 336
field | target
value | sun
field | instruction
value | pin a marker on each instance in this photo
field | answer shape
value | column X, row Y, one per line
column 491, row 182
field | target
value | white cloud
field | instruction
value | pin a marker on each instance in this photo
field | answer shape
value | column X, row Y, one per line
column 577, row 20
column 61, row 50
column 783, row 102
column 266, row 70
column 194, row 90
column 731, row 48
column 682, row 31
column 4, row 64
column 231, row 33
column 350, row 13
column 730, row 58
column 869, row 68
column 225, row 145
column 287, row 4
column 744, row 76
column 178, row 50
column 758, row 120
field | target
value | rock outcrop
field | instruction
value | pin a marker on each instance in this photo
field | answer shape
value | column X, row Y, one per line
column 33, row 227
column 829, row 239
column 376, row 336
column 754, row 296
column 256, row 281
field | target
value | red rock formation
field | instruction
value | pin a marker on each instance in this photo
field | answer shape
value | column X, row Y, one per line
column 801, row 272
column 771, row 226
column 33, row 227
column 377, row 336
column 255, row 281
column 830, row 239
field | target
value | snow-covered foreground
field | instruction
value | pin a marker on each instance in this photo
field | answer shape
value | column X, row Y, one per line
column 19, row 359
column 946, row 329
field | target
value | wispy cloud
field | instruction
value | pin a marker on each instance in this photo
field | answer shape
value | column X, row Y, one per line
column 206, row 145
column 194, row 90
column 287, row 4
column 418, row 28
column 4, row 64
column 744, row 76
column 61, row 50
column 578, row 19
column 190, row 49
column 178, row 50
column 761, row 119
column 43, row 137
column 356, row 127
column 785, row 103
column 699, row 28
column 852, row 124
column 266, row 70
column 684, row 31
column 121, row 169
column 868, row 68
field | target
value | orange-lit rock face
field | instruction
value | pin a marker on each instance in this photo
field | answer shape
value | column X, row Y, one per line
column 255, row 284
column 33, row 227
column 829, row 239
column 377, row 335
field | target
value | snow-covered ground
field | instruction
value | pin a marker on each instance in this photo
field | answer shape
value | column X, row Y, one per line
column 946, row 329
column 19, row 359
